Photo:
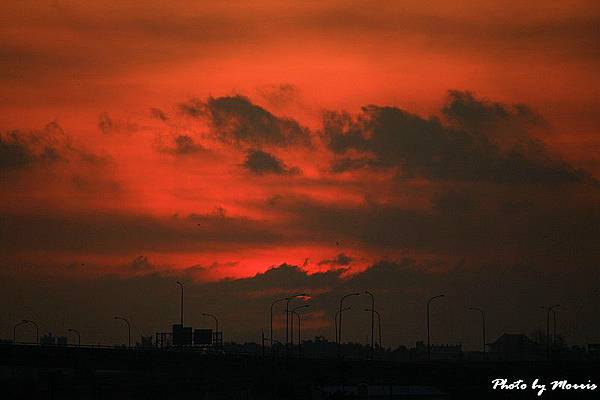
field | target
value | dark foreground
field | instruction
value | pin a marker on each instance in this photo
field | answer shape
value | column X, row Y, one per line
column 32, row 372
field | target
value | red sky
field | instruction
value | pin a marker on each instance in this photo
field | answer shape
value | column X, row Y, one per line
column 204, row 136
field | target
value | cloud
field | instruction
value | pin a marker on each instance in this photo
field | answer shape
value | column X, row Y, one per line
column 13, row 154
column 120, row 233
column 236, row 120
column 260, row 162
column 20, row 149
column 185, row 145
column 346, row 164
column 454, row 202
column 157, row 113
column 341, row 260
column 279, row 95
column 427, row 148
column 107, row 124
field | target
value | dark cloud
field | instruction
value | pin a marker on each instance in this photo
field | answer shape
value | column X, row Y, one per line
column 341, row 260
column 107, row 233
column 107, row 124
column 475, row 225
column 454, row 202
column 157, row 113
column 260, row 162
column 236, row 120
column 96, row 185
column 13, row 153
column 427, row 148
column 280, row 95
column 463, row 109
column 185, row 145
column 182, row 145
column 19, row 149
column 346, row 164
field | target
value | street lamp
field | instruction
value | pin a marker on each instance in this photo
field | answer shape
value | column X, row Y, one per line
column 75, row 331
column 482, row 321
column 128, row 328
column 287, row 314
column 335, row 321
column 341, row 307
column 15, row 330
column 292, row 324
column 216, row 323
column 299, row 322
column 373, row 311
column 78, row 336
column 273, row 304
column 428, row 330
column 554, row 327
column 372, row 320
column 37, row 329
column 181, row 312
column 548, row 310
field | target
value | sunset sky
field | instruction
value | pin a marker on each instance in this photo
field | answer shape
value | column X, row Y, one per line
column 257, row 149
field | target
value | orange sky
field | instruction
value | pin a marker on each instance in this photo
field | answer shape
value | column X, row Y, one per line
column 143, row 142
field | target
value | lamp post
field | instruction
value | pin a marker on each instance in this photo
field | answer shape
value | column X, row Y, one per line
column 37, row 330
column 554, row 327
column 428, row 330
column 287, row 315
column 373, row 311
column 216, row 323
column 299, row 337
column 75, row 331
column 181, row 311
column 372, row 320
column 482, row 321
column 15, row 330
column 548, row 311
column 128, row 329
column 335, row 321
column 292, row 324
column 271, row 336
column 341, row 311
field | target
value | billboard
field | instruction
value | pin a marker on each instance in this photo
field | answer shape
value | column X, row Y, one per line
column 203, row 336
column 182, row 335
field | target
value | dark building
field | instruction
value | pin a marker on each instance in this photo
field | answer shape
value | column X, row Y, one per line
column 514, row 347
column 182, row 335
column 203, row 337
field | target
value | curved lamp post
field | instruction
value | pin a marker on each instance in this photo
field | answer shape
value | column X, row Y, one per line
column 341, row 311
column 335, row 321
column 293, row 311
column 428, row 330
column 128, row 329
column 181, row 310
column 548, row 311
column 37, row 329
column 216, row 323
column 23, row 322
column 287, row 315
column 373, row 311
column 482, row 322
column 299, row 337
column 372, row 320
column 75, row 331
column 272, row 305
